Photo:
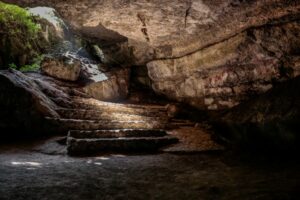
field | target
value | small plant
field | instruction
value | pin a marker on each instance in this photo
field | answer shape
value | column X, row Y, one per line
column 32, row 67
column 12, row 66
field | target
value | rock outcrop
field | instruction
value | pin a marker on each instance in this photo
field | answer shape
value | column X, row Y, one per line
column 23, row 105
column 62, row 68
column 114, row 87
column 225, row 74
column 211, row 55
column 24, row 37
column 13, row 80
column 96, row 79
column 170, row 28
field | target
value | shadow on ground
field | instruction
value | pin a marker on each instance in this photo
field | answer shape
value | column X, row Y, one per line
column 35, row 171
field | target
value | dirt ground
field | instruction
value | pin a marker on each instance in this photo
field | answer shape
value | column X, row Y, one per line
column 43, row 171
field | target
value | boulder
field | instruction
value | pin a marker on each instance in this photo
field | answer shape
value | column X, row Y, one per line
column 23, row 105
column 61, row 68
column 113, row 88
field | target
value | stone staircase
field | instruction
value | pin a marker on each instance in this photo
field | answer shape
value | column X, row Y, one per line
column 39, row 104
column 129, row 140
column 95, row 126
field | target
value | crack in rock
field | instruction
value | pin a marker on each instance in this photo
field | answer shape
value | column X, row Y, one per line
column 144, row 30
column 187, row 12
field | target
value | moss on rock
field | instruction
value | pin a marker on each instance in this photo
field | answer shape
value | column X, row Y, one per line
column 19, row 36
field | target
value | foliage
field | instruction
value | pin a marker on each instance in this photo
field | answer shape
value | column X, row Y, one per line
column 32, row 67
column 12, row 15
column 19, row 36
column 13, row 66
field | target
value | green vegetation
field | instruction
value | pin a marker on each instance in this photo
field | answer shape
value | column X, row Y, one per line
column 19, row 37
column 32, row 67
column 26, row 68
column 12, row 15
column 12, row 66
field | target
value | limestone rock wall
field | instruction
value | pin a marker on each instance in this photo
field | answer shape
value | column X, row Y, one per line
column 209, row 54
column 170, row 28
column 222, row 75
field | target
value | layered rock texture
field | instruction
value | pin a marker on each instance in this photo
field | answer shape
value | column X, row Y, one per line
column 114, row 87
column 23, row 105
column 61, row 69
column 37, row 104
column 225, row 74
column 212, row 55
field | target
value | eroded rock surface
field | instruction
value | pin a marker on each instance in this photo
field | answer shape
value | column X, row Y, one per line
column 225, row 74
column 171, row 28
column 62, row 69
column 23, row 104
column 212, row 55
column 39, row 104
column 114, row 88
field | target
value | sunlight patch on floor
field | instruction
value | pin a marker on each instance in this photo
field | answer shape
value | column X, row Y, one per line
column 33, row 164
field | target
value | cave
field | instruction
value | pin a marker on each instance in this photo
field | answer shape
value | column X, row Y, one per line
column 149, row 99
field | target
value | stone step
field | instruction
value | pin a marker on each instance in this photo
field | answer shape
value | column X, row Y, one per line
column 132, row 144
column 117, row 109
column 116, row 133
column 64, row 125
column 91, row 101
column 104, row 115
column 92, row 104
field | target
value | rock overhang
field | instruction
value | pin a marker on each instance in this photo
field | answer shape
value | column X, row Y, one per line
column 183, row 42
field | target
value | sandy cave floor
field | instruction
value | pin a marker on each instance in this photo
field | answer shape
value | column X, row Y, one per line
column 41, row 170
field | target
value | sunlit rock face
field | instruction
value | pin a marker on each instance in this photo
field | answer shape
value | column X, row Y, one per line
column 50, row 15
column 113, row 87
column 61, row 69
column 210, row 54
column 227, row 73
